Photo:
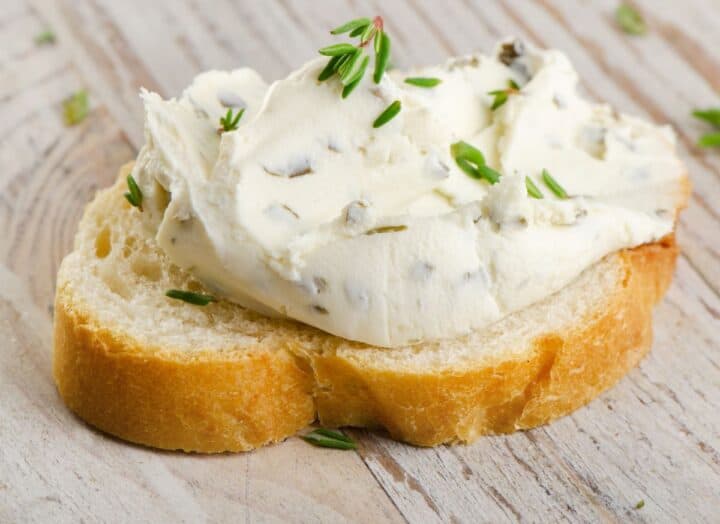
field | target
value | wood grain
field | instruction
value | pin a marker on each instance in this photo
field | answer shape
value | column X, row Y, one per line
column 655, row 437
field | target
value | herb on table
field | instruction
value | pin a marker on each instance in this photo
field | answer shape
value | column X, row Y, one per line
column 712, row 117
column 134, row 195
column 640, row 504
column 198, row 299
column 553, row 184
column 46, row 37
column 390, row 112
column 230, row 122
column 630, row 20
column 349, row 61
column 532, row 189
column 423, row 81
column 502, row 95
column 327, row 438
column 472, row 162
column 75, row 108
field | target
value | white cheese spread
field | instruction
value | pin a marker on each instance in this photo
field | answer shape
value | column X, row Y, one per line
column 306, row 211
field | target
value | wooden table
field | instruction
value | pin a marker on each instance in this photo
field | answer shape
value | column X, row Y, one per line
column 655, row 437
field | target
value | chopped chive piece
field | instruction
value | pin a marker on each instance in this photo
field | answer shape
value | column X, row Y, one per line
column 553, row 184
column 337, row 49
column 711, row 116
column 326, row 438
column 134, row 195
column 502, row 95
column 420, row 81
column 330, row 68
column 640, row 504
column 500, row 98
column 471, row 160
column 710, row 140
column 381, row 56
column 532, row 189
column 46, row 37
column 463, row 150
column 230, row 122
column 390, row 112
column 353, row 84
column 75, row 108
column 630, row 20
column 351, row 26
column 488, row 173
column 330, row 433
column 198, row 299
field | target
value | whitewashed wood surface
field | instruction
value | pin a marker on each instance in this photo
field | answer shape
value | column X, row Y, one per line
column 655, row 437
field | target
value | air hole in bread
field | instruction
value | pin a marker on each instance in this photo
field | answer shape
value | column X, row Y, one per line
column 146, row 268
column 103, row 246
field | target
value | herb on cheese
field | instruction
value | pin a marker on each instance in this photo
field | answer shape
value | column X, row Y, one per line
column 386, row 229
column 134, row 195
column 420, row 81
column 501, row 95
column 390, row 112
column 630, row 20
column 348, row 61
column 327, row 438
column 532, row 189
column 75, row 108
column 46, row 37
column 197, row 299
column 230, row 122
column 553, row 184
column 471, row 160
column 640, row 504
column 712, row 117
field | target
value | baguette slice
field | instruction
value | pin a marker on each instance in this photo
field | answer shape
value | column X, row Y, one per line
column 168, row 374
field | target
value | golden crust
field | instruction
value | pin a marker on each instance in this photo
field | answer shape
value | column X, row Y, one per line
column 214, row 402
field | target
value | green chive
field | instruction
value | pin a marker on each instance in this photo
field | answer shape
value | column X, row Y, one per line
column 640, row 504
column 711, row 116
column 197, row 299
column 353, row 84
column 553, row 184
column 75, row 108
column 134, row 195
column 500, row 98
column 709, row 140
column 230, row 122
column 45, row 38
column 468, row 168
column 337, row 49
column 630, row 20
column 464, row 151
column 330, row 68
column 351, row 26
column 532, row 189
column 420, row 81
column 326, row 438
column 381, row 57
column 512, row 84
column 489, row 173
column 390, row 112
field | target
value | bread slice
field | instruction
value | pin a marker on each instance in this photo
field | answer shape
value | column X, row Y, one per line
column 167, row 374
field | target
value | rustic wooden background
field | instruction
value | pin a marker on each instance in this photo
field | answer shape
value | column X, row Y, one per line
column 655, row 437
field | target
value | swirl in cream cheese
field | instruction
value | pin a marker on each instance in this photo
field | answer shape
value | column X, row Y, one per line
column 306, row 211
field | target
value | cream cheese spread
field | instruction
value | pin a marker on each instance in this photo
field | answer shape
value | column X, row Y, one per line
column 306, row 211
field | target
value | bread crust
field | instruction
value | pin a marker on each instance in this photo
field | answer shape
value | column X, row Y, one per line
column 240, row 400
